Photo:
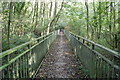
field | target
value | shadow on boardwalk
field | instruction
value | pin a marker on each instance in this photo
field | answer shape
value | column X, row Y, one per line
column 60, row 61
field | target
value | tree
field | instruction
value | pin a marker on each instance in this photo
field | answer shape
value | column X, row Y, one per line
column 87, row 18
column 9, row 22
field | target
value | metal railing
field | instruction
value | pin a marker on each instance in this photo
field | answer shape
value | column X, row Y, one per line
column 16, row 64
column 99, row 61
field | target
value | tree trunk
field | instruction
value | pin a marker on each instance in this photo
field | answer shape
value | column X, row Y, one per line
column 48, row 29
column 119, row 26
column 110, row 25
column 100, row 26
column 9, row 22
column 95, row 24
column 114, row 28
column 43, row 17
column 36, row 23
column 87, row 18
column 55, row 11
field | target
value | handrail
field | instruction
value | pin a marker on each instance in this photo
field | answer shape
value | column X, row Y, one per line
column 25, row 63
column 5, row 53
column 14, row 59
column 105, row 59
column 112, row 52
column 108, row 61
column 96, row 64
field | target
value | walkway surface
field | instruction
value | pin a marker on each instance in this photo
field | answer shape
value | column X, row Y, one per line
column 60, row 61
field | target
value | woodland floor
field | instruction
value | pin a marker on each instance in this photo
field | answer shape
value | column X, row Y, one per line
column 60, row 61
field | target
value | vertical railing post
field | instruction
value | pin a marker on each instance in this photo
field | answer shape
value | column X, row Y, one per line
column 83, row 41
column 78, row 38
column 7, row 71
column 93, row 46
column 119, row 75
column 17, row 74
column 23, row 68
column 12, row 76
column 28, row 58
column 15, row 68
column 19, row 67
column 27, row 65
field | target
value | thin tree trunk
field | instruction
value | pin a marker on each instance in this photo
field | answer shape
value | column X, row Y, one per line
column 87, row 19
column 110, row 26
column 100, row 26
column 95, row 24
column 44, row 17
column 114, row 28
column 50, row 9
column 55, row 11
column 9, row 22
column 119, row 26
column 48, row 29
column 34, row 13
column 36, row 23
